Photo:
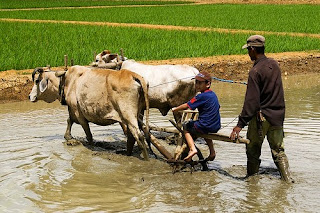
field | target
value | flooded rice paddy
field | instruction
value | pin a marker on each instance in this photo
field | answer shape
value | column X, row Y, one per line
column 40, row 173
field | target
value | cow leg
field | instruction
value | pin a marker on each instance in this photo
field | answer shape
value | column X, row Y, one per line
column 86, row 128
column 130, row 138
column 140, row 123
column 139, row 138
column 68, row 135
column 130, row 142
column 124, row 128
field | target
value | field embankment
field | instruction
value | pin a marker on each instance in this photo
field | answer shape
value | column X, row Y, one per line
column 16, row 85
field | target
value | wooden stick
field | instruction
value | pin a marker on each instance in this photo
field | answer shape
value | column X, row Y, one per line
column 217, row 136
column 156, row 143
column 200, row 156
column 94, row 55
column 221, row 137
column 164, row 129
column 65, row 62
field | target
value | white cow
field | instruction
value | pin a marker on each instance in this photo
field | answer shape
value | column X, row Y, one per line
column 100, row 96
column 169, row 85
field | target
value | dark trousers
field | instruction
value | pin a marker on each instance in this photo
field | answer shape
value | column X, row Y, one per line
column 256, row 134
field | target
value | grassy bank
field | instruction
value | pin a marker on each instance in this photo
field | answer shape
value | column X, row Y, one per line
column 275, row 18
column 29, row 45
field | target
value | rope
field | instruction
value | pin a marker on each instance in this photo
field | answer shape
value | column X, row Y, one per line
column 229, row 123
column 214, row 78
column 229, row 81
column 172, row 81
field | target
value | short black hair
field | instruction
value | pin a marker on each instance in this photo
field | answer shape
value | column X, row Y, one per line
column 259, row 50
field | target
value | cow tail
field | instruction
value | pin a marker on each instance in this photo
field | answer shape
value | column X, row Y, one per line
column 145, row 89
column 144, row 86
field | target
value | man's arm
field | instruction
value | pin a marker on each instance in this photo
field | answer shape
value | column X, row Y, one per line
column 252, row 100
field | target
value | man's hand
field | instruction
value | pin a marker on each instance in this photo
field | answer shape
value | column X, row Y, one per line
column 235, row 133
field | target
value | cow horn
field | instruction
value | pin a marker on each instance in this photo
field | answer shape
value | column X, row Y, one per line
column 36, row 70
column 60, row 73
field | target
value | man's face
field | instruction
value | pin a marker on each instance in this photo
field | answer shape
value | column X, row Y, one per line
column 252, row 53
column 202, row 86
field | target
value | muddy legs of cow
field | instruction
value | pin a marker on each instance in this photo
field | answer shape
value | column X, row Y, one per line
column 124, row 128
column 146, row 133
column 130, row 143
column 86, row 128
column 68, row 135
column 140, row 139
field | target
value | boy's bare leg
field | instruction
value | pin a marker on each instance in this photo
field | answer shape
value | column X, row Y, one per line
column 212, row 154
column 191, row 146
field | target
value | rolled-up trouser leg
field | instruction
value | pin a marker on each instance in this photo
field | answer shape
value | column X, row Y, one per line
column 253, row 149
column 283, row 167
column 275, row 139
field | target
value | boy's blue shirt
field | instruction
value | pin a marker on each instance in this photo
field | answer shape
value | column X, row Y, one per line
column 209, row 116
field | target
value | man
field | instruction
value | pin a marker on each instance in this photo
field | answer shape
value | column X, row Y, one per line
column 209, row 115
column 264, row 109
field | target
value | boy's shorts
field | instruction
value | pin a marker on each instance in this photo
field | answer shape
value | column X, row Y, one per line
column 190, row 127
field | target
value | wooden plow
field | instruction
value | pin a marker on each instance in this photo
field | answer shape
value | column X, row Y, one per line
column 175, row 159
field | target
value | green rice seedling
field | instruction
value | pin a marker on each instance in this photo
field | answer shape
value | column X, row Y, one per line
column 29, row 45
column 274, row 18
column 18, row 4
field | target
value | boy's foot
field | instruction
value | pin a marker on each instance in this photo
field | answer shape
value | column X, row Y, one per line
column 190, row 155
column 210, row 157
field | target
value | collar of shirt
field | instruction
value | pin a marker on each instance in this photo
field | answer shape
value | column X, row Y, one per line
column 260, row 59
column 208, row 90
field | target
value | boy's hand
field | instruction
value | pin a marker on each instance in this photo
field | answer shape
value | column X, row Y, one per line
column 174, row 109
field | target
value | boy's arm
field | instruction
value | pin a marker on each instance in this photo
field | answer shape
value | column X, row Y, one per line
column 179, row 108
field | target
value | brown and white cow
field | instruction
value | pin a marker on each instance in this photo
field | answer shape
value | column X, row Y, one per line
column 100, row 96
column 169, row 85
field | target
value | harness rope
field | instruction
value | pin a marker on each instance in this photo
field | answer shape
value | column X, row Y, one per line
column 214, row 78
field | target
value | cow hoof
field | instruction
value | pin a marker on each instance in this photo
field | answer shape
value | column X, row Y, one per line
column 73, row 142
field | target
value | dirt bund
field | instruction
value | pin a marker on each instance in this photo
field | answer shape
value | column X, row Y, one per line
column 15, row 85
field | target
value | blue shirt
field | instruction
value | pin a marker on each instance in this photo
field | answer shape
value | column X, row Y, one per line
column 209, row 115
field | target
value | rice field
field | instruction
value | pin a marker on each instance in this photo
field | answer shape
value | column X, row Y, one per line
column 18, row 4
column 275, row 18
column 29, row 45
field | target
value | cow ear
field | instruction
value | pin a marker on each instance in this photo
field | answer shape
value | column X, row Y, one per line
column 43, row 85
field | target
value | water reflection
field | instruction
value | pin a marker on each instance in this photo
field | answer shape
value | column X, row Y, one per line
column 38, row 173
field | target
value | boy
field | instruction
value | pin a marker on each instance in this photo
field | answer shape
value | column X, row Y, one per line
column 209, row 115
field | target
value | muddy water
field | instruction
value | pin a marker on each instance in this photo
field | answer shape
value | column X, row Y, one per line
column 39, row 173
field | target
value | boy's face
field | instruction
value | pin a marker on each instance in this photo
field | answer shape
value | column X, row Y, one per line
column 202, row 86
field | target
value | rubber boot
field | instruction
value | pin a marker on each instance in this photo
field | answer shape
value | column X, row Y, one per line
column 252, row 167
column 283, row 167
